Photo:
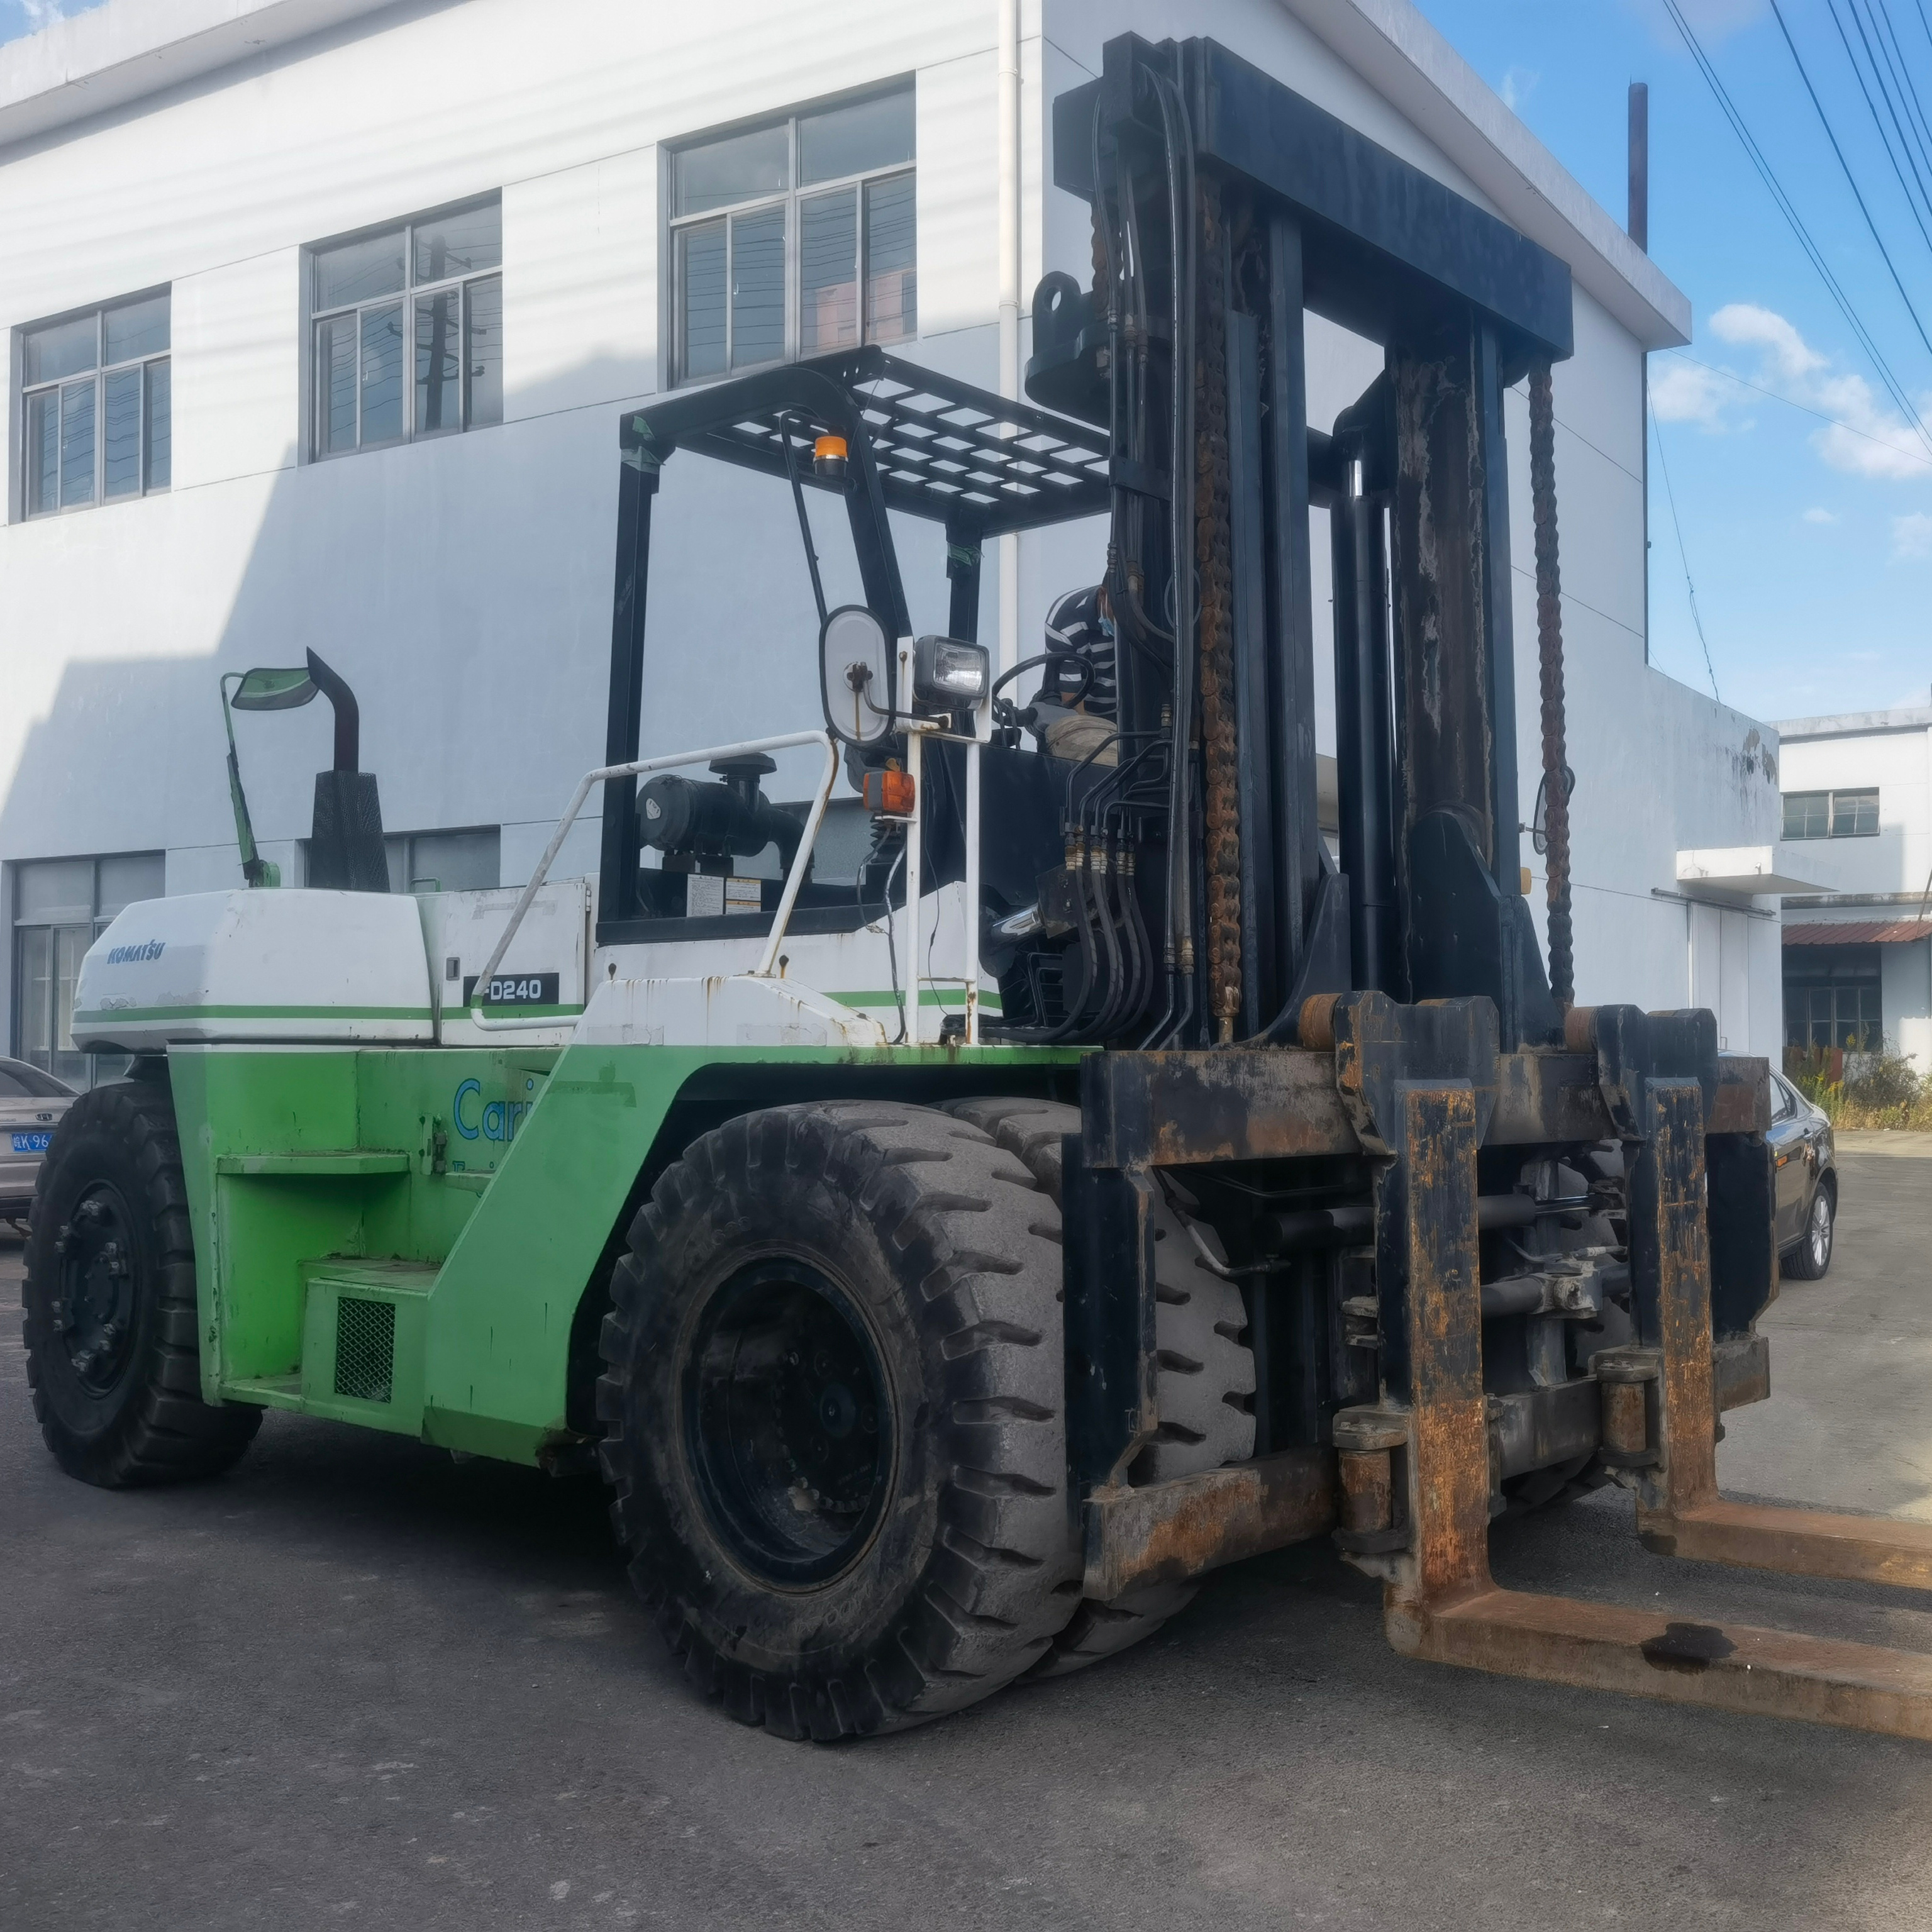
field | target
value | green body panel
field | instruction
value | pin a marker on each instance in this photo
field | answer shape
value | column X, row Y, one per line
column 460, row 1199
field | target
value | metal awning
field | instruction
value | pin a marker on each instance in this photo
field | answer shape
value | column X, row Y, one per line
column 1748, row 870
column 1859, row 932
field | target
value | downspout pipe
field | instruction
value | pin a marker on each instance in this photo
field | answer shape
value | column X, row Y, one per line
column 1009, row 147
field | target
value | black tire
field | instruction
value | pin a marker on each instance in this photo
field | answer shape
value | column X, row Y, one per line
column 1206, row 1384
column 797, row 1269
column 111, row 1326
column 1811, row 1259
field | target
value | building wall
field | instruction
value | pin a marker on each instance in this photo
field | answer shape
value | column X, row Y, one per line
column 463, row 586
column 1884, row 877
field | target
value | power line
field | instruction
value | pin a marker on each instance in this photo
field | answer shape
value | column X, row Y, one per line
column 1905, row 140
column 1683, row 555
column 1908, row 88
column 1791, row 403
column 1786, row 207
column 1851, row 180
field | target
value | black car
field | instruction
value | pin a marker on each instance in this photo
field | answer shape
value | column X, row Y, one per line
column 1808, row 1181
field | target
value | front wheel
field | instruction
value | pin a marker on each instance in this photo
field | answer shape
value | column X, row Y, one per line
column 834, row 1404
column 110, row 1324
column 1811, row 1258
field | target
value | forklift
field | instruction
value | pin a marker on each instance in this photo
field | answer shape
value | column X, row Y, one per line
column 957, row 1211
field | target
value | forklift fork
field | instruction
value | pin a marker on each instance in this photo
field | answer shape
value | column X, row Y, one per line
column 1415, row 1476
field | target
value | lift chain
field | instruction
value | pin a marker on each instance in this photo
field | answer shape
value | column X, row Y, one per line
column 1213, row 493
column 1550, row 665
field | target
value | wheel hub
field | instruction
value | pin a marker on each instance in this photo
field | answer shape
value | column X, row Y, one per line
column 784, row 1423
column 93, row 1315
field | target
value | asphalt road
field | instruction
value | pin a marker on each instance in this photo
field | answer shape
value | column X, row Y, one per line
column 356, row 1683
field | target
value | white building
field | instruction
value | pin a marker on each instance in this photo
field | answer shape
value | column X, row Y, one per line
column 237, row 231
column 1858, row 820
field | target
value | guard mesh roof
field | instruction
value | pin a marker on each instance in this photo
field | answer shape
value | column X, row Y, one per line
column 943, row 449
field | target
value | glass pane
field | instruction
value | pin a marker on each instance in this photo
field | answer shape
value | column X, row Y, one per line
column 484, row 313
column 1854, row 814
column 121, row 435
column 1806, row 813
column 854, row 140
column 438, row 362
column 136, row 328
column 892, row 275
column 757, row 287
column 741, row 167
column 61, row 349
column 129, row 876
column 160, row 445
column 700, row 285
column 50, row 892
column 383, row 374
column 77, row 443
column 453, row 861
column 335, row 383
column 35, row 958
column 43, row 452
column 459, row 243
column 354, row 271
column 829, row 271
column 70, row 945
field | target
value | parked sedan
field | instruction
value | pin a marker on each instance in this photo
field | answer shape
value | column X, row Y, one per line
column 31, row 1105
column 1806, row 1181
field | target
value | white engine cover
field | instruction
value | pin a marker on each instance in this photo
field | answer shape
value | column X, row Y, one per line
column 256, row 965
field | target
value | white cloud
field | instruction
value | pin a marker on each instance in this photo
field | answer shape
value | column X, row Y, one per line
column 1789, row 353
column 1518, row 84
column 1865, row 437
column 1817, row 513
column 1912, row 535
column 1688, row 392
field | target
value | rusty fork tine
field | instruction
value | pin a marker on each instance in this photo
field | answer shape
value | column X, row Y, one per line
column 1426, row 1444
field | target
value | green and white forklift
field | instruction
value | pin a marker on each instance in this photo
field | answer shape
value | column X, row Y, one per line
column 956, row 1211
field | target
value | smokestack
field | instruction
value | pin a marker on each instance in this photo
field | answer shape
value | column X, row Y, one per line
column 1638, row 222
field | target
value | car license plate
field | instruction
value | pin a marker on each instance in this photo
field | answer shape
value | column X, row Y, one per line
column 31, row 1143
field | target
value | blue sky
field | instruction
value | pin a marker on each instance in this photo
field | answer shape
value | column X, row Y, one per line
column 27, row 16
column 1809, row 541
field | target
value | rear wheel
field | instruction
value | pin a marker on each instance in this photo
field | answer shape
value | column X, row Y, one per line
column 833, row 1402
column 1811, row 1259
column 111, row 1326
column 1204, row 1390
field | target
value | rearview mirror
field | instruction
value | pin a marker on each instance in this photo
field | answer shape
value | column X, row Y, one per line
column 273, row 691
column 856, row 674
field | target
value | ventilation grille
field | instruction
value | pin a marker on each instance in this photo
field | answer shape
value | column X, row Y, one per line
column 365, row 1348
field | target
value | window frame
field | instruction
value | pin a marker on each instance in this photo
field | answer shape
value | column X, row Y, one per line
column 1857, row 794
column 25, row 393
column 314, row 365
column 791, row 199
column 98, row 1066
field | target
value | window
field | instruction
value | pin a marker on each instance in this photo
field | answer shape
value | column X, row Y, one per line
column 94, row 412
column 406, row 330
column 1832, row 998
column 445, row 862
column 1832, row 814
column 59, row 907
column 794, row 238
